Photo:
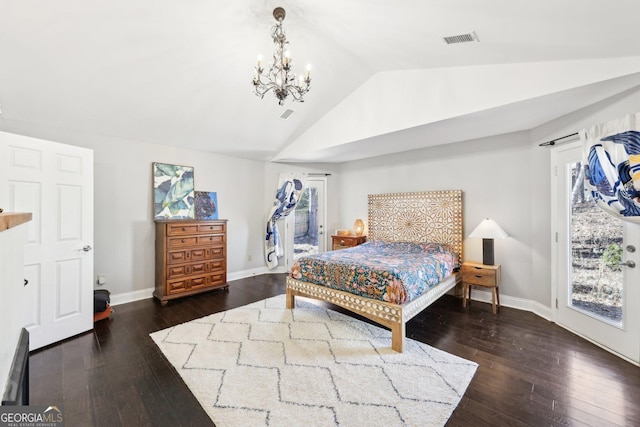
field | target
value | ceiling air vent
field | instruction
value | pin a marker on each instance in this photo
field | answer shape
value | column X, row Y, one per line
column 286, row 114
column 462, row 38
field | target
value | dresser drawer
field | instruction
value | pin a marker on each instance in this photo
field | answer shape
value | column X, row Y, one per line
column 198, row 254
column 215, row 239
column 183, row 285
column 188, row 241
column 212, row 228
column 182, row 241
column 216, row 266
column 181, row 229
column 198, row 282
column 177, row 286
column 188, row 255
column 178, row 271
column 217, row 279
column 216, row 253
column 198, row 268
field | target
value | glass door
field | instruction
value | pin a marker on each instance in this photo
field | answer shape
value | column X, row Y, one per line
column 305, row 226
column 598, row 279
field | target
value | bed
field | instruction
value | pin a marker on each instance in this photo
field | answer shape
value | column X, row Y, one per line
column 433, row 217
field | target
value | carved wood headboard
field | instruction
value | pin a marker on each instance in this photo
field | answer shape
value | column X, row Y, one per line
column 428, row 216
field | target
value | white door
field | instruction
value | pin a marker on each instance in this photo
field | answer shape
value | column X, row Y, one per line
column 306, row 225
column 55, row 183
column 597, row 267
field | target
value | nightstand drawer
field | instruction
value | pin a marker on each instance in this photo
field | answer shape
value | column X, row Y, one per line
column 479, row 279
column 343, row 242
column 481, row 275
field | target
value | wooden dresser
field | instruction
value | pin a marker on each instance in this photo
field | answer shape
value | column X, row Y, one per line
column 191, row 257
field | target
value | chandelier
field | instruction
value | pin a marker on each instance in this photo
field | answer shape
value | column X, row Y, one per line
column 280, row 79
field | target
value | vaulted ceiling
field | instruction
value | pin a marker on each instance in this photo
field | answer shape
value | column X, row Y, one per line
column 179, row 72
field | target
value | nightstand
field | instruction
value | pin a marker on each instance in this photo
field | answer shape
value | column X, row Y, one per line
column 343, row 242
column 476, row 274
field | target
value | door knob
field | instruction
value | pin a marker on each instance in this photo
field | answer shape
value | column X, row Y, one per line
column 629, row 264
column 87, row 248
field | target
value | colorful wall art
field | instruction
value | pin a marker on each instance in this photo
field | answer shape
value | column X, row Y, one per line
column 173, row 193
column 206, row 205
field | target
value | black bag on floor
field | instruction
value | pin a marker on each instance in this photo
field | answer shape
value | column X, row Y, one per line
column 100, row 300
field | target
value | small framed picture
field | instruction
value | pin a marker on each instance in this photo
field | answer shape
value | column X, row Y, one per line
column 206, row 205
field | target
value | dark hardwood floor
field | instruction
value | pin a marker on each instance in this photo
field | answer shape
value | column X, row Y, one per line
column 531, row 371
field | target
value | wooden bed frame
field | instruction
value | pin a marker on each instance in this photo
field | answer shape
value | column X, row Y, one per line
column 431, row 216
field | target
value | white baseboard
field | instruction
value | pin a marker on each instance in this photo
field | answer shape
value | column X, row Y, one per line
column 542, row 311
column 514, row 302
column 236, row 275
column 125, row 297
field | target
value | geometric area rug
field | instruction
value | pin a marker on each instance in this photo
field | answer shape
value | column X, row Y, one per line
column 264, row 365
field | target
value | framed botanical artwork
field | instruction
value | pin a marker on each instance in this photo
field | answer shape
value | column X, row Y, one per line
column 206, row 205
column 173, row 194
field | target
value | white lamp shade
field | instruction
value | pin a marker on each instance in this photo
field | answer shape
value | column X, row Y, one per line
column 488, row 229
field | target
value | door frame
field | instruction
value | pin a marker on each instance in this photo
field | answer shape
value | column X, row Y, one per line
column 289, row 223
column 555, row 151
column 628, row 325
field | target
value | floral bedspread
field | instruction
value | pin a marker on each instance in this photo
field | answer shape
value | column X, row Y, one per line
column 395, row 272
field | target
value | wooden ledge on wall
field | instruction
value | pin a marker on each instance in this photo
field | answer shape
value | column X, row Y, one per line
column 12, row 219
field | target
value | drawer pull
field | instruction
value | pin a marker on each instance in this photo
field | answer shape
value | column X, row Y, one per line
column 187, row 254
column 479, row 277
column 342, row 243
column 211, row 228
column 183, row 240
column 478, row 268
column 184, row 229
column 210, row 238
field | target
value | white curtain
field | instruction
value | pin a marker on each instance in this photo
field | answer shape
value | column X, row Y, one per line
column 288, row 194
column 612, row 162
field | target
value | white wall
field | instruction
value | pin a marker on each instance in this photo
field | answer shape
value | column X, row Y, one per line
column 495, row 177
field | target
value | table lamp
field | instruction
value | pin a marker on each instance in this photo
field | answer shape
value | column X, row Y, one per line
column 488, row 230
column 358, row 227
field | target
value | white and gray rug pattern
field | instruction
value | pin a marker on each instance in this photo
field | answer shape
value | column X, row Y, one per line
column 264, row 365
